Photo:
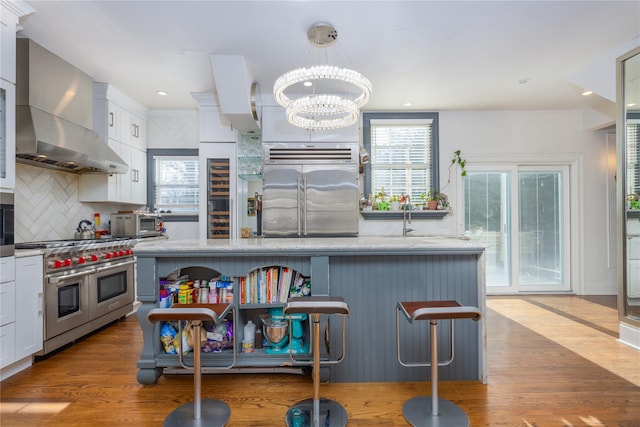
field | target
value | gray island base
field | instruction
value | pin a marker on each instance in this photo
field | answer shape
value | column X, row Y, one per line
column 372, row 274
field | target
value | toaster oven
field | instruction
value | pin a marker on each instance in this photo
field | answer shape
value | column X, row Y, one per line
column 135, row 224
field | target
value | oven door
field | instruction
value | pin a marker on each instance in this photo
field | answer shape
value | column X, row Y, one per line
column 112, row 287
column 67, row 302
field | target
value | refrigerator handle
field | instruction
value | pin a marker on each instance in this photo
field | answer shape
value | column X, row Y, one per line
column 304, row 205
column 298, row 205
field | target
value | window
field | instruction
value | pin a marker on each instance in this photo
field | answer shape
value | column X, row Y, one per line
column 403, row 153
column 174, row 183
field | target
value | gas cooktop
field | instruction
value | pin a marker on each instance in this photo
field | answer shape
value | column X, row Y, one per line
column 45, row 244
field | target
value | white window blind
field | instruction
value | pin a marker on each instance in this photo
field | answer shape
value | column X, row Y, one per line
column 401, row 157
column 633, row 154
column 176, row 185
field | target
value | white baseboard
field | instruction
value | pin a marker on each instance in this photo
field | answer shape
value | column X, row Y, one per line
column 630, row 335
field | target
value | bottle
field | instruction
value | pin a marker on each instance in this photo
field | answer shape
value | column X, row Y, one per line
column 96, row 220
column 249, row 331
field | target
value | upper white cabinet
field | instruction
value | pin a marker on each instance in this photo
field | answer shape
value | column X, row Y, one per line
column 276, row 128
column 123, row 123
column 10, row 12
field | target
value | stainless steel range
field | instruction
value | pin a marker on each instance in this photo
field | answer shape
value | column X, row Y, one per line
column 87, row 284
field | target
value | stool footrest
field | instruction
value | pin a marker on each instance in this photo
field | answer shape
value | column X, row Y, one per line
column 215, row 413
column 418, row 412
column 330, row 414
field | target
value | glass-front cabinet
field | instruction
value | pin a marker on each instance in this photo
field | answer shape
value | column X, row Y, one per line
column 7, row 135
column 628, row 143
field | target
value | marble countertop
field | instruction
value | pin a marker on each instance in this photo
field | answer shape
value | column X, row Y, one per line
column 299, row 246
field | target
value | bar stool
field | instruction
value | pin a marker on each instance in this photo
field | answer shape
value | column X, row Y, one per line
column 210, row 412
column 316, row 411
column 420, row 411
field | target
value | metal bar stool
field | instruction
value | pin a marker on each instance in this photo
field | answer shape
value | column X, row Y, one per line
column 420, row 411
column 316, row 411
column 210, row 412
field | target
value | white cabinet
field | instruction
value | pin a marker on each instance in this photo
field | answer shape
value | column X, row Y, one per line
column 30, row 299
column 276, row 128
column 122, row 122
column 22, row 304
column 7, row 311
column 7, row 135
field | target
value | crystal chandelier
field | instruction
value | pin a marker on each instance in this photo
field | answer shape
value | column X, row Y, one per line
column 303, row 91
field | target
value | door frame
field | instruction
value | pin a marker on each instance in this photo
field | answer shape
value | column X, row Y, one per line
column 574, row 161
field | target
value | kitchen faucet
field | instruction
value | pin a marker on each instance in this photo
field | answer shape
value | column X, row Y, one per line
column 406, row 207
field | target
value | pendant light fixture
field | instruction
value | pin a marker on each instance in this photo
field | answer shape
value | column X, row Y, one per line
column 322, row 96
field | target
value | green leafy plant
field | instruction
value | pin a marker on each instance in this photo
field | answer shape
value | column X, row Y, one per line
column 456, row 159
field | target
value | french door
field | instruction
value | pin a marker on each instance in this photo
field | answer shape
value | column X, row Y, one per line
column 521, row 214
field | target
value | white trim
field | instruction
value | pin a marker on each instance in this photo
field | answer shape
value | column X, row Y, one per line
column 630, row 335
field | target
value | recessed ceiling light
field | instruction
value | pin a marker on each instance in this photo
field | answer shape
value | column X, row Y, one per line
column 631, row 104
column 408, row 104
column 162, row 93
column 523, row 81
column 307, row 84
column 587, row 92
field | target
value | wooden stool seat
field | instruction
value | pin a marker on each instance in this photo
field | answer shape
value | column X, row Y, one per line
column 318, row 412
column 421, row 411
column 210, row 412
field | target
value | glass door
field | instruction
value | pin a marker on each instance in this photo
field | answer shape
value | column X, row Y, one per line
column 521, row 215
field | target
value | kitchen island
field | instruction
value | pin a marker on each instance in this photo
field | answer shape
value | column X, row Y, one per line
column 371, row 273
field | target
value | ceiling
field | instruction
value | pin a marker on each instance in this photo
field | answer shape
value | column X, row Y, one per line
column 437, row 55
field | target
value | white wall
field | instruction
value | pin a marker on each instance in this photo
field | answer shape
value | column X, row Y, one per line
column 516, row 136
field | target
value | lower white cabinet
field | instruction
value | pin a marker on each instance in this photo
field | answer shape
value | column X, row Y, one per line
column 22, row 334
column 30, row 300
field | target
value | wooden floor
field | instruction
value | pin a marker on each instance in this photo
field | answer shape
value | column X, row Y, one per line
column 552, row 361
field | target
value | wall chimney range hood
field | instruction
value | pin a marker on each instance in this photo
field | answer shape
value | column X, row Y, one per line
column 54, row 115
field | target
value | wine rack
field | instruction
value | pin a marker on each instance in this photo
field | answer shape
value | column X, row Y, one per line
column 218, row 222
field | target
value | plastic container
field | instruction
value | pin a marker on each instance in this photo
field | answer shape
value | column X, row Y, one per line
column 249, row 332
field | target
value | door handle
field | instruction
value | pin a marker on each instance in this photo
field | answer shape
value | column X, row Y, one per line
column 304, row 205
column 121, row 264
column 298, row 204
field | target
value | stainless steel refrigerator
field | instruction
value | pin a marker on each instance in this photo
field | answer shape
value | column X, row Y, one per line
column 310, row 189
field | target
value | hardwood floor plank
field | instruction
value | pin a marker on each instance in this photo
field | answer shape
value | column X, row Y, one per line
column 538, row 375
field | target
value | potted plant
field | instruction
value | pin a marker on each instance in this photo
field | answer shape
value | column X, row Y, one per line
column 395, row 203
column 433, row 197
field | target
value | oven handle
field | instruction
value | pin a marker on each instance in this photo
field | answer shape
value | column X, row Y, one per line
column 56, row 279
column 100, row 269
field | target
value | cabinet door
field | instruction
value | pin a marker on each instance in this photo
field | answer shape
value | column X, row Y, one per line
column 29, row 294
column 102, row 187
column 7, row 303
column 138, row 176
column 7, row 344
column 114, row 118
column 7, row 135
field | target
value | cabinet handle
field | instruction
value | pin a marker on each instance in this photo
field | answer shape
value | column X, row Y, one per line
column 136, row 175
column 41, row 300
column 110, row 119
column 135, row 131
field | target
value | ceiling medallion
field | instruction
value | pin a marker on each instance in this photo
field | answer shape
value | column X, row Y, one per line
column 322, row 96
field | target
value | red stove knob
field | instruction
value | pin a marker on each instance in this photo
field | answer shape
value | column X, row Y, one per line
column 129, row 251
column 81, row 260
column 67, row 262
column 56, row 263
column 107, row 255
column 94, row 258
column 121, row 253
column 115, row 254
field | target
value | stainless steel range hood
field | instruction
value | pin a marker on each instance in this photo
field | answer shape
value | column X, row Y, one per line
column 54, row 115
